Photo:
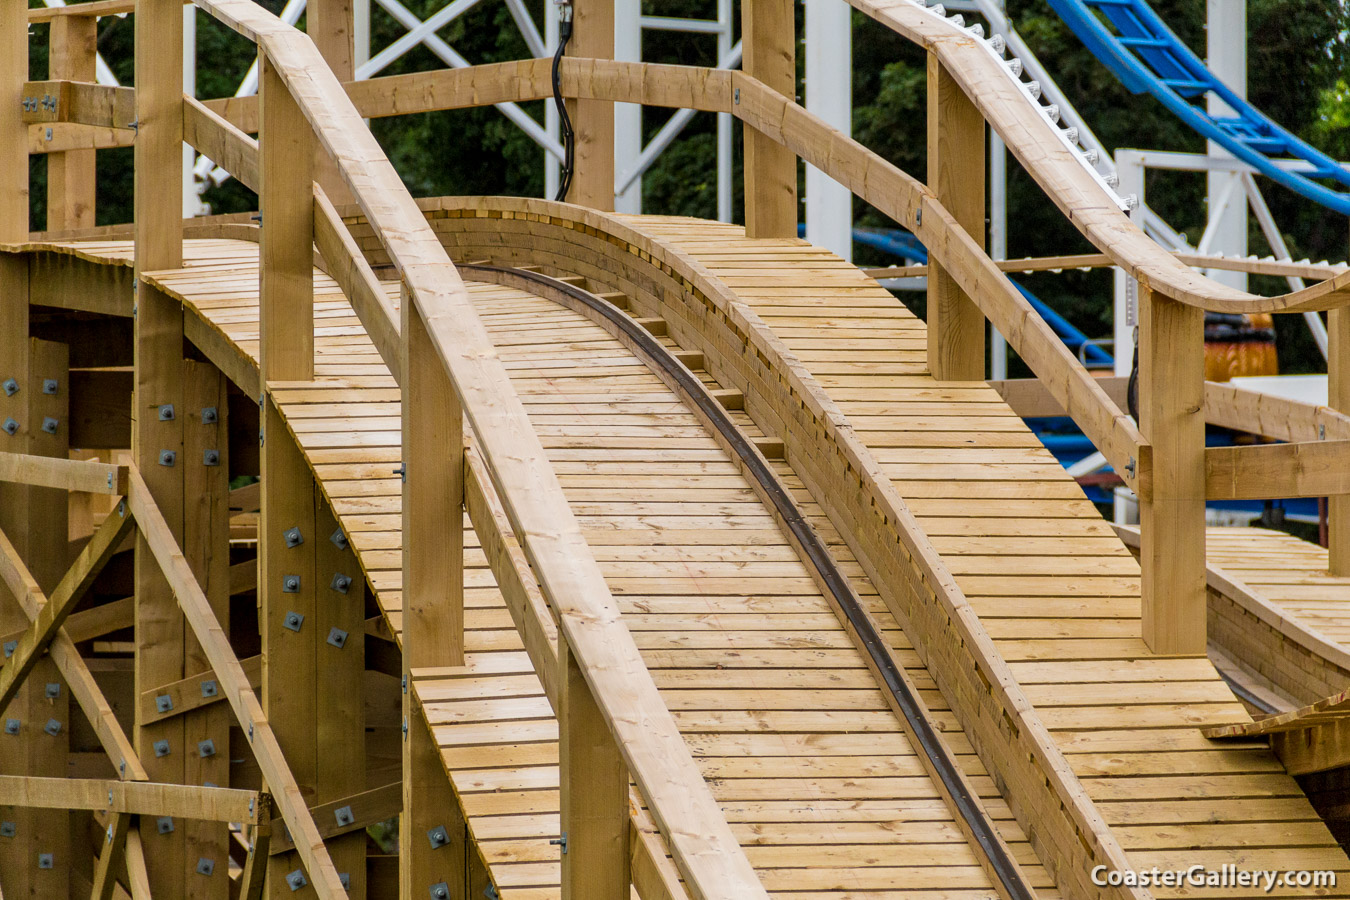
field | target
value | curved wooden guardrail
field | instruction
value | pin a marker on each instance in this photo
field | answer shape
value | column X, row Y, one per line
column 444, row 349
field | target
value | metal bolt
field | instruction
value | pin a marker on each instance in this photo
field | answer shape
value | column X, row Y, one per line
column 10, row 426
column 293, row 621
column 210, row 415
column 167, row 457
column 401, row 471
column 296, row 880
column 1321, row 432
column 290, row 584
column 918, row 216
column 405, row 728
column 52, row 690
column 11, row 726
column 250, row 732
column 346, row 880
column 166, row 412
column 50, row 385
column 50, row 425
column 206, row 748
column 339, row 539
column 341, row 583
column 338, row 638
column 46, row 861
column 736, row 95
column 11, row 387
column 438, row 837
column 161, row 748
column 164, row 703
column 404, row 682
column 8, row 829
column 344, row 816
column 293, row 537
column 10, row 647
column 560, row 842
column 209, row 688
column 110, row 480
column 206, row 866
column 164, row 824
column 53, row 727
column 440, row 891
column 490, row 892
column 210, row 457
column 1129, row 467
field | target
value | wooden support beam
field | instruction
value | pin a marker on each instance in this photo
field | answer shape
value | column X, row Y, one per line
column 80, row 103
column 227, row 146
column 769, row 35
column 159, row 135
column 193, row 692
column 66, row 474
column 253, row 876
column 286, row 247
column 329, row 24
column 359, row 810
column 1172, row 515
column 137, row 872
column 1338, row 398
column 1277, row 471
column 594, row 789
column 77, row 580
column 956, row 175
column 285, row 792
column 433, row 598
column 110, row 856
column 13, row 137
column 215, row 804
column 593, row 120
column 72, row 48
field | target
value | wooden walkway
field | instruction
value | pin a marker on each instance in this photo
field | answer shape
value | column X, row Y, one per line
column 808, row 763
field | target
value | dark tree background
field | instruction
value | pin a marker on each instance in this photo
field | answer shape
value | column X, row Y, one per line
column 1298, row 73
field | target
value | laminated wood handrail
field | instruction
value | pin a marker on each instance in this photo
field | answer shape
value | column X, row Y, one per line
column 1031, row 138
column 707, row 853
column 219, row 140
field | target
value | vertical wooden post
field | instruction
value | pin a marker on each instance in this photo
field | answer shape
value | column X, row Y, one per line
column 1338, row 398
column 1172, row 505
column 956, row 174
column 339, row 632
column 433, row 602
column 594, row 788
column 286, row 245
column 288, row 582
column 329, row 24
column 206, row 544
column 593, row 120
column 157, row 413
column 70, row 175
column 769, row 35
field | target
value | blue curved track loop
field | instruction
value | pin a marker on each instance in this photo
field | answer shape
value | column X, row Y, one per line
column 1147, row 57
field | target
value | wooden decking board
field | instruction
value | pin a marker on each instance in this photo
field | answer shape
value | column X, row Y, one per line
column 885, row 415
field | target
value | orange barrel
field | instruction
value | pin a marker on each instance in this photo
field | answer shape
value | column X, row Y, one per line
column 1238, row 345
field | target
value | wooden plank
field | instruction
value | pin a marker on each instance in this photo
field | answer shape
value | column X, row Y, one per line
column 159, row 137
column 330, row 25
column 1172, row 519
column 956, row 176
column 594, row 789
column 142, row 798
column 1338, row 398
column 769, row 36
column 1275, row 471
column 285, row 248
column 80, row 103
column 366, row 808
column 70, row 591
column 227, row 146
column 272, row 763
column 593, row 120
column 110, row 856
column 72, row 45
column 67, row 474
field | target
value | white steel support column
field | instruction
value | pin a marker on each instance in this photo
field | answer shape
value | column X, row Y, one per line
column 829, row 87
column 1226, row 39
column 360, row 33
column 628, row 116
column 998, row 241
column 1130, row 168
column 192, row 201
column 724, row 145
column 552, row 124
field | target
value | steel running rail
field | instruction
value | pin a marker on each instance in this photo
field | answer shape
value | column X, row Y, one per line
column 897, row 684
column 1146, row 56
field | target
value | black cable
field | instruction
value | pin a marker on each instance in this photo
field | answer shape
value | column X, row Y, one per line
column 568, row 136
